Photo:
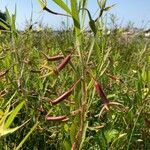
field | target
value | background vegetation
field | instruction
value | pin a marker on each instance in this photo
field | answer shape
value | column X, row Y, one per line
column 79, row 88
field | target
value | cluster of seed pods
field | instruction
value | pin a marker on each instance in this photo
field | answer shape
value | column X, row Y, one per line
column 66, row 94
column 61, row 66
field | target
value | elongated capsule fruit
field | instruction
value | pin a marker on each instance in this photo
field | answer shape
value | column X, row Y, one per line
column 101, row 93
column 64, row 95
column 58, row 118
column 53, row 58
column 63, row 63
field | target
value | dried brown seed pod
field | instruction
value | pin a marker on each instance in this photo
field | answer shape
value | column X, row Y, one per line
column 53, row 58
column 101, row 93
column 64, row 95
column 58, row 118
column 64, row 62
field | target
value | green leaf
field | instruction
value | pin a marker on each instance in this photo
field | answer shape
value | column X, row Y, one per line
column 62, row 5
column 110, row 135
column 5, row 115
column 14, row 20
column 4, row 131
column 11, row 98
column 8, row 20
column 67, row 145
column 42, row 4
column 90, row 49
column 102, row 3
column 109, row 7
column 75, row 14
column 13, row 115
column 83, row 4
column 73, row 129
column 4, row 25
column 93, row 26
column 84, row 134
column 26, row 137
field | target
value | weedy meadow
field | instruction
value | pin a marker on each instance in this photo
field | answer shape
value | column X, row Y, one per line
column 74, row 89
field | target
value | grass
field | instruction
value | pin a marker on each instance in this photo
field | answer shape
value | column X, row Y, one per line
column 80, row 119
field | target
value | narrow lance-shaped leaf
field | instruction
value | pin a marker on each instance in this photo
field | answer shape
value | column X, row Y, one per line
column 4, row 131
column 4, row 24
column 8, row 20
column 75, row 15
column 44, row 7
column 26, row 137
column 14, row 20
column 101, row 3
column 7, row 131
column 62, row 5
column 83, row 4
column 109, row 7
column 13, row 115
column 42, row 4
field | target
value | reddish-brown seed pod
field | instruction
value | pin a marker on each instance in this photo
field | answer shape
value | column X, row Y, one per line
column 53, row 58
column 4, row 73
column 58, row 118
column 64, row 95
column 100, row 92
column 63, row 63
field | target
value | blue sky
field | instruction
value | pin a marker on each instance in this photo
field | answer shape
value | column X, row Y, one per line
column 137, row 11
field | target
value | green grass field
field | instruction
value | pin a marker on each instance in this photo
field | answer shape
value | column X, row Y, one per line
column 74, row 90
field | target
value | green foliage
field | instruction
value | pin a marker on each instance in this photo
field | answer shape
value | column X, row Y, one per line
column 6, row 119
column 3, row 19
column 29, row 81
